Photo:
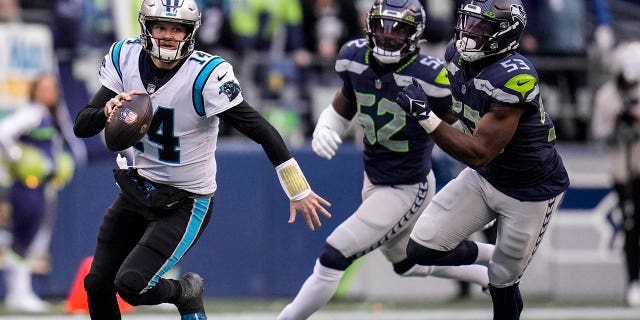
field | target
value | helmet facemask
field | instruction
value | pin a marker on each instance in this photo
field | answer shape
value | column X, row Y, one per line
column 184, row 12
column 393, row 32
column 480, row 35
column 152, row 45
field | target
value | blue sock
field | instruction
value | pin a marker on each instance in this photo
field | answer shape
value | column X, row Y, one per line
column 194, row 316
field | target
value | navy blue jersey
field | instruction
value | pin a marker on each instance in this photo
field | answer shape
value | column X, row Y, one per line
column 397, row 150
column 529, row 168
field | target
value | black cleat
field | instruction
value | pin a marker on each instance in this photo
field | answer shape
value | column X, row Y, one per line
column 192, row 290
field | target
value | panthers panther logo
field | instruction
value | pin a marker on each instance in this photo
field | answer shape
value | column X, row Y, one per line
column 230, row 89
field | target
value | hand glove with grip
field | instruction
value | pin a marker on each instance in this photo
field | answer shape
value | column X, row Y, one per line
column 325, row 142
column 413, row 100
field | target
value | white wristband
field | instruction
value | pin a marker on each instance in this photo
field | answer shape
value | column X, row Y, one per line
column 333, row 120
column 430, row 123
column 292, row 179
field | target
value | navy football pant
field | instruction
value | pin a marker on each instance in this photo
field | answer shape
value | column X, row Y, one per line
column 29, row 208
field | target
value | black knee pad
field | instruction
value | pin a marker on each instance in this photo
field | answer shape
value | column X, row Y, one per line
column 465, row 253
column 332, row 258
column 94, row 284
column 130, row 283
column 423, row 255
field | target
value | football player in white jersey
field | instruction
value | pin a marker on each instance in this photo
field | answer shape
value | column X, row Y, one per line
column 166, row 198
column 398, row 182
column 515, row 174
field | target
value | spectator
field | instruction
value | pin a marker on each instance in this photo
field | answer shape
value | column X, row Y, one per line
column 616, row 119
column 32, row 142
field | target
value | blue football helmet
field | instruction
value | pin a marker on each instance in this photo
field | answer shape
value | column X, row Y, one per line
column 394, row 28
column 489, row 27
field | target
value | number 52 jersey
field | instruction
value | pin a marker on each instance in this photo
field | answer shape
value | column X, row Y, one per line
column 397, row 150
column 179, row 147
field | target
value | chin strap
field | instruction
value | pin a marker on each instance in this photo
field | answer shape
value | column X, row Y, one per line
column 292, row 179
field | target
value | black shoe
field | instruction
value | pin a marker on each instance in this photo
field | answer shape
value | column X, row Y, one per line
column 192, row 290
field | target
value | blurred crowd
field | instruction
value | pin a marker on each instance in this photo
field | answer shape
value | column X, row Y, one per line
column 284, row 50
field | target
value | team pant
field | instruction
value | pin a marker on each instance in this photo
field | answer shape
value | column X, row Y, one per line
column 383, row 220
column 136, row 247
column 467, row 204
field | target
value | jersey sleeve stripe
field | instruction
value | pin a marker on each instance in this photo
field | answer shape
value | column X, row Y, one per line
column 198, row 85
column 115, row 56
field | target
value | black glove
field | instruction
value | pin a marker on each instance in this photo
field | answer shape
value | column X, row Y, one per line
column 413, row 100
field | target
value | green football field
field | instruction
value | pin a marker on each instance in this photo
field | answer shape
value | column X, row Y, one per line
column 474, row 309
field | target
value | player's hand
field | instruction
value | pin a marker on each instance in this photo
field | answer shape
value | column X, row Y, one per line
column 116, row 102
column 325, row 142
column 413, row 100
column 309, row 207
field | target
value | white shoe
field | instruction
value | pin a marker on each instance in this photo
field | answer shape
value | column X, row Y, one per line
column 632, row 298
column 29, row 303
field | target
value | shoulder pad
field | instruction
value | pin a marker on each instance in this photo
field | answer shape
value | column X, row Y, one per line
column 352, row 48
column 514, row 79
column 352, row 56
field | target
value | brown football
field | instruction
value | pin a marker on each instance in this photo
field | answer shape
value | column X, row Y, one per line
column 128, row 124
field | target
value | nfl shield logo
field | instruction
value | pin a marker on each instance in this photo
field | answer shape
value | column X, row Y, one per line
column 378, row 84
column 128, row 116
column 463, row 89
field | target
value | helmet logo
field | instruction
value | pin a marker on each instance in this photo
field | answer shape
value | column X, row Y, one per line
column 171, row 7
column 517, row 14
column 170, row 12
column 172, row 3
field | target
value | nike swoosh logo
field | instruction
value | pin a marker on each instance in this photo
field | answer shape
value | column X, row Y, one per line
column 520, row 83
column 222, row 76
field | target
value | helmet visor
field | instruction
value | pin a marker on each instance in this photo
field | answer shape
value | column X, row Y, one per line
column 475, row 31
column 391, row 35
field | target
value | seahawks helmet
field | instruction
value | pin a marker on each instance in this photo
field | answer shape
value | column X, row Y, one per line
column 394, row 28
column 184, row 12
column 489, row 27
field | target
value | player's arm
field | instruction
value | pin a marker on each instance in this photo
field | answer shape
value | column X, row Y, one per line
column 492, row 134
column 332, row 123
column 92, row 118
column 249, row 122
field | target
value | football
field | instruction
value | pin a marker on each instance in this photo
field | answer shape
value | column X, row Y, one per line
column 128, row 124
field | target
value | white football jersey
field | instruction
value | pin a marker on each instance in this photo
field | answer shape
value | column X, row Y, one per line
column 179, row 148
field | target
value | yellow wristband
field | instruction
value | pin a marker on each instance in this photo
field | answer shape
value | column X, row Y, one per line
column 292, row 179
